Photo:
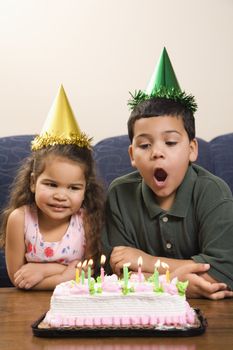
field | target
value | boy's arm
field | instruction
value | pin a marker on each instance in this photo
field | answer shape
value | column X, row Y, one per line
column 200, row 283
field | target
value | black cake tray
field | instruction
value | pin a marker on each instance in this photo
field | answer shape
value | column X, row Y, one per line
column 134, row 331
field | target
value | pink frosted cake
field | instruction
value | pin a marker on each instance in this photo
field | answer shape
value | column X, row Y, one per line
column 112, row 303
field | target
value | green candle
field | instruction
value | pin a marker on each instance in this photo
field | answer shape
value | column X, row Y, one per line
column 126, row 274
column 90, row 263
column 89, row 275
column 156, row 278
column 156, row 274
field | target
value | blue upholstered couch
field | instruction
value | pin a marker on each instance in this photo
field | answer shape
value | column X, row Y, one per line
column 112, row 160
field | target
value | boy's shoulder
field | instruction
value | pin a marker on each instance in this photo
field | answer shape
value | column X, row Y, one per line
column 131, row 178
column 205, row 179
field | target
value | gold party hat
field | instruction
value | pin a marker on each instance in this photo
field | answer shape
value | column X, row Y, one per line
column 60, row 127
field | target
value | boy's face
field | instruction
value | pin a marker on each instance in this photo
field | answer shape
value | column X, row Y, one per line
column 161, row 151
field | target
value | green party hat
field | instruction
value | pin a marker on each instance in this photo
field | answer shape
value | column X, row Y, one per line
column 163, row 76
column 164, row 84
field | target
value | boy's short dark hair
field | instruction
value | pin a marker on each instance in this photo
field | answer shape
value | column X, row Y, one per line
column 157, row 107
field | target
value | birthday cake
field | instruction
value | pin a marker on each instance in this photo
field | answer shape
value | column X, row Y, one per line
column 112, row 303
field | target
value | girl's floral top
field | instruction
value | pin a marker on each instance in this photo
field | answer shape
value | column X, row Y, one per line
column 70, row 247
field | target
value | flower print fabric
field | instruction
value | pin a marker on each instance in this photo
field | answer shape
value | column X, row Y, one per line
column 69, row 248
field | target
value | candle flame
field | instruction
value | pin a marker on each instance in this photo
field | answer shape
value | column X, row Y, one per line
column 79, row 264
column 140, row 261
column 84, row 263
column 164, row 265
column 127, row 264
column 90, row 262
column 102, row 259
column 157, row 264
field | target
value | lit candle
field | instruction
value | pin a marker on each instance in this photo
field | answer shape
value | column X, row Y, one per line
column 126, row 274
column 77, row 272
column 166, row 266
column 90, row 263
column 140, row 268
column 168, row 276
column 102, row 262
column 83, row 272
column 156, row 274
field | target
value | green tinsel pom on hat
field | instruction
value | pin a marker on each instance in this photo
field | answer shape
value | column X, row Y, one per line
column 170, row 93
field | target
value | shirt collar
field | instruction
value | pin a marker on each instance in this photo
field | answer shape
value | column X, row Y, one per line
column 182, row 200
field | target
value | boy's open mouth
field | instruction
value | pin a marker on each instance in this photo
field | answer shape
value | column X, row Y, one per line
column 160, row 175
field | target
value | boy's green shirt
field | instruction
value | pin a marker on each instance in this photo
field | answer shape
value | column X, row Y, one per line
column 198, row 226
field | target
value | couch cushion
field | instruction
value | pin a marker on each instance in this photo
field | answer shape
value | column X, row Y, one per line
column 222, row 153
column 13, row 149
column 4, row 279
column 112, row 159
column 204, row 158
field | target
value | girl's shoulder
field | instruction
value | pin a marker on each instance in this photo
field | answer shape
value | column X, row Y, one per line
column 16, row 218
column 17, row 213
column 22, row 211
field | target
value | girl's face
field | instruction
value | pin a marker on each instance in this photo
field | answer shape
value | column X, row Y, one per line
column 161, row 151
column 60, row 188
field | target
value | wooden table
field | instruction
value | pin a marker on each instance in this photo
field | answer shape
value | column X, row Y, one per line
column 19, row 309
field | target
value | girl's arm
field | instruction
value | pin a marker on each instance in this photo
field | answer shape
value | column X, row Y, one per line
column 15, row 246
column 30, row 275
column 44, row 275
column 50, row 282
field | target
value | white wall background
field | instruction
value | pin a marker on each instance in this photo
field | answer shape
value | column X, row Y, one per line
column 101, row 49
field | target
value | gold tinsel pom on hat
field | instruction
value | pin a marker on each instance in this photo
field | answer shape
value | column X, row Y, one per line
column 46, row 140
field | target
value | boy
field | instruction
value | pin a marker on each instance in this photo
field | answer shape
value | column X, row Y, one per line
column 170, row 209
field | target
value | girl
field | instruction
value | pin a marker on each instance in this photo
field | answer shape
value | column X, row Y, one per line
column 54, row 217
